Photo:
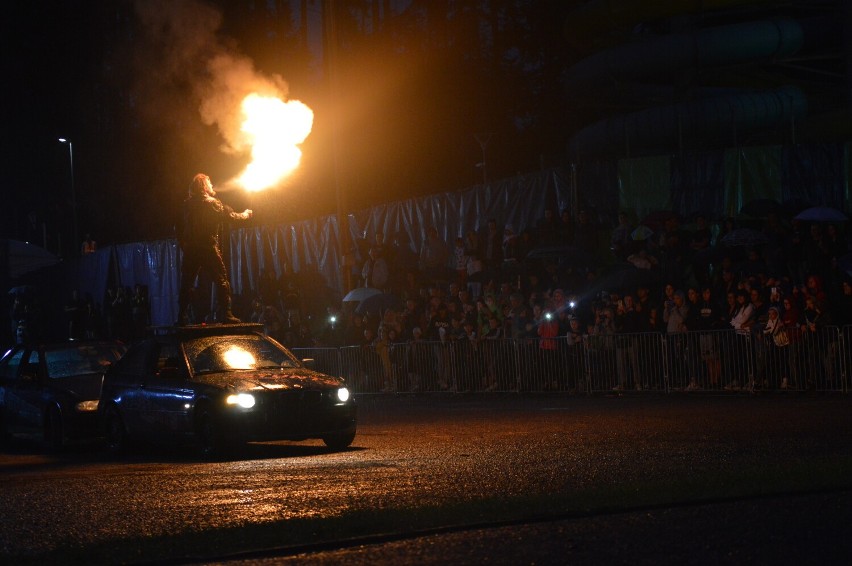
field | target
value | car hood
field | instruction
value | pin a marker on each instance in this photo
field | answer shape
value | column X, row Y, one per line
column 80, row 387
column 284, row 378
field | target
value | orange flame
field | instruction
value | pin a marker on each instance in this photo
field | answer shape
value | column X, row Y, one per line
column 274, row 129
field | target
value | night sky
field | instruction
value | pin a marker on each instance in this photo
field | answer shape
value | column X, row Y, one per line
column 416, row 88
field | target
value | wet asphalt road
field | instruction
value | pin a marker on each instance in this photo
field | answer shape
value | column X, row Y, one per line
column 465, row 480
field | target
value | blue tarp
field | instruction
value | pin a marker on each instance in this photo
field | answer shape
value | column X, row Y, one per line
column 716, row 183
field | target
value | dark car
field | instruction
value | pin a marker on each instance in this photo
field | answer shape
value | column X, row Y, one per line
column 52, row 391
column 218, row 386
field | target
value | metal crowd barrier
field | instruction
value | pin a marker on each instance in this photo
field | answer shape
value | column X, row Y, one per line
column 718, row 360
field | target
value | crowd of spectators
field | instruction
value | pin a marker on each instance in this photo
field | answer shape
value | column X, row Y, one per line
column 662, row 275
column 123, row 314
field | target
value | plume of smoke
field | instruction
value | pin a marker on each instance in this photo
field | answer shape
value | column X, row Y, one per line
column 231, row 79
column 193, row 59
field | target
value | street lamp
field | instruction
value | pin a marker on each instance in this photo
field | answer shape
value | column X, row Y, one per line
column 483, row 140
column 73, row 194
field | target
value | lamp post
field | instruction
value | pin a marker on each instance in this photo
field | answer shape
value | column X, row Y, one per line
column 75, row 241
column 483, row 140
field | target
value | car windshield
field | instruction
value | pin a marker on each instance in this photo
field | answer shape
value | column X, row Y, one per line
column 212, row 354
column 82, row 360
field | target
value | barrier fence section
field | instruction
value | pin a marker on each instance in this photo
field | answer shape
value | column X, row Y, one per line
column 718, row 360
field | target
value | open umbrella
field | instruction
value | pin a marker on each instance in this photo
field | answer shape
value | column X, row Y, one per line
column 744, row 237
column 821, row 214
column 359, row 294
column 378, row 304
column 642, row 232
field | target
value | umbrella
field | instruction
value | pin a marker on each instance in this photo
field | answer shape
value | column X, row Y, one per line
column 821, row 214
column 378, row 304
column 760, row 208
column 566, row 255
column 744, row 237
column 359, row 294
column 643, row 232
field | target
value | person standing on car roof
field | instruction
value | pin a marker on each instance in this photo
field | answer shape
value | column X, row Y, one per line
column 198, row 238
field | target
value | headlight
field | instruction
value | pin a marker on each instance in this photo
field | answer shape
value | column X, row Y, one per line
column 244, row 400
column 343, row 394
column 87, row 406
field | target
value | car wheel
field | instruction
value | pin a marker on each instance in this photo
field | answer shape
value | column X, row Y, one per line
column 339, row 441
column 54, row 431
column 116, row 434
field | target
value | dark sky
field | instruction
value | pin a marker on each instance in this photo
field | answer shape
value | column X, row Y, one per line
column 43, row 55
column 415, row 90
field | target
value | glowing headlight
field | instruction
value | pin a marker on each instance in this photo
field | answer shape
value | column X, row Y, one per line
column 343, row 394
column 244, row 400
column 87, row 406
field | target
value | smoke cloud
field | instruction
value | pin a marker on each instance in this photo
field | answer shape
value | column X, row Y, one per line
column 187, row 56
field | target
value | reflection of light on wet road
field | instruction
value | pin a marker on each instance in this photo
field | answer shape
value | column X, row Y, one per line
column 258, row 491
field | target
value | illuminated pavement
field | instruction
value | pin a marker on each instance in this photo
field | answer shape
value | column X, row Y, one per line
column 591, row 470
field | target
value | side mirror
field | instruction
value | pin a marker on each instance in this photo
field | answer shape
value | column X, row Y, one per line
column 309, row 363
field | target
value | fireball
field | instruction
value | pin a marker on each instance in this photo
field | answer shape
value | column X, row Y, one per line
column 273, row 129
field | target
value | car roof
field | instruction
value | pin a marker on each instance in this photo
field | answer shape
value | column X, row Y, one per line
column 69, row 344
column 205, row 330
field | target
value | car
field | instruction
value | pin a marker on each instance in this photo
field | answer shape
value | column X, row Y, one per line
column 51, row 392
column 219, row 386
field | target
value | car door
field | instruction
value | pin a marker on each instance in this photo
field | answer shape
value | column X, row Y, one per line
column 124, row 387
column 21, row 391
column 167, row 394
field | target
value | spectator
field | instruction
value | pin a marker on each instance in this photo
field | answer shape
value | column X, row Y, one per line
column 548, row 329
column 547, row 229
column 492, row 249
column 382, row 347
column 460, row 261
column 353, row 333
column 586, row 232
column 621, row 240
column 273, row 322
column 89, row 246
column 524, row 244
column 628, row 323
column 375, row 271
column 140, row 311
column 434, row 255
column 576, row 360
column 843, row 306
column 565, row 229
column 792, row 320
column 510, row 244
column 777, row 340
column 744, row 314
column 675, row 315
column 267, row 287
